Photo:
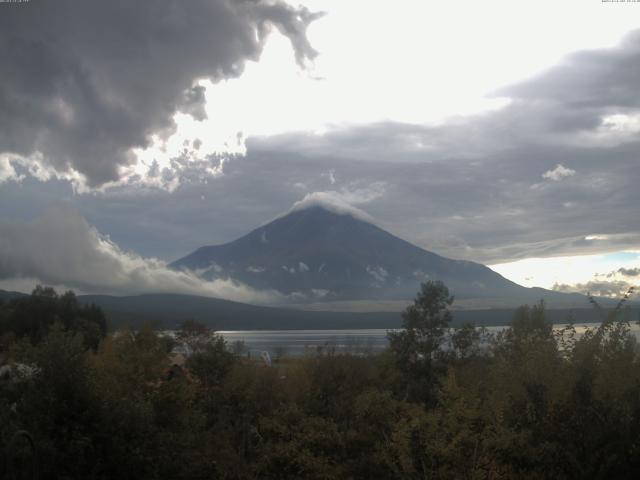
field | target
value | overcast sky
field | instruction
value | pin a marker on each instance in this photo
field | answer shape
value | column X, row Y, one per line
column 502, row 132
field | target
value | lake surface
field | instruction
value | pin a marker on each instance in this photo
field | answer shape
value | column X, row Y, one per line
column 301, row 342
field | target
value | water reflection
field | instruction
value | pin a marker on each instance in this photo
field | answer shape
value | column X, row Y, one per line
column 357, row 341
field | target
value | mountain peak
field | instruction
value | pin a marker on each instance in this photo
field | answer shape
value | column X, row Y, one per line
column 324, row 249
column 331, row 202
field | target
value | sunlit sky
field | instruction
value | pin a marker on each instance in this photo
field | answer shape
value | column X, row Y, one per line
column 579, row 269
column 446, row 121
column 415, row 62
column 418, row 62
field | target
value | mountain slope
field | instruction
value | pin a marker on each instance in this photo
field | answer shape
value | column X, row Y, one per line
column 316, row 253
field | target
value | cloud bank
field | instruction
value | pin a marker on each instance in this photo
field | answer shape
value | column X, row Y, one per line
column 85, row 82
column 463, row 188
column 344, row 201
column 598, row 288
column 61, row 248
column 471, row 187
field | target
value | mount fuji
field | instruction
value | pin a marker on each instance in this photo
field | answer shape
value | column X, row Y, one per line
column 320, row 254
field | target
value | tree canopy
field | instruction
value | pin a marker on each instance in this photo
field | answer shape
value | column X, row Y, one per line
column 531, row 402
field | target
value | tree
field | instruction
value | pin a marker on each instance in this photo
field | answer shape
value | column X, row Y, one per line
column 212, row 361
column 58, row 404
column 465, row 340
column 531, row 321
column 195, row 336
column 529, row 331
column 417, row 345
column 31, row 317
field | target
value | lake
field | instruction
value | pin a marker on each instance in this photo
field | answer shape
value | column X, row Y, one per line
column 301, row 342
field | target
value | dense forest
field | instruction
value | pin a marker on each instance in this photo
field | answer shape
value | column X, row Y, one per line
column 531, row 402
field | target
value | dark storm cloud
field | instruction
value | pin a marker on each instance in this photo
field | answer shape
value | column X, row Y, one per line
column 194, row 102
column 486, row 187
column 84, row 82
column 592, row 79
column 458, row 209
column 538, row 177
column 578, row 93
column 486, row 205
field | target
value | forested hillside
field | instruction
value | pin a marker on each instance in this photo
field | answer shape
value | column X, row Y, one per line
column 528, row 403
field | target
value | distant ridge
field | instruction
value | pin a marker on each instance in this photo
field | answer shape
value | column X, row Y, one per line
column 8, row 295
column 168, row 311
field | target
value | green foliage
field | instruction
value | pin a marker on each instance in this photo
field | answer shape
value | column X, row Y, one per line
column 424, row 323
column 466, row 341
column 417, row 346
column 299, row 445
column 530, row 322
column 531, row 403
column 212, row 362
column 32, row 317
column 194, row 334
column 57, row 403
